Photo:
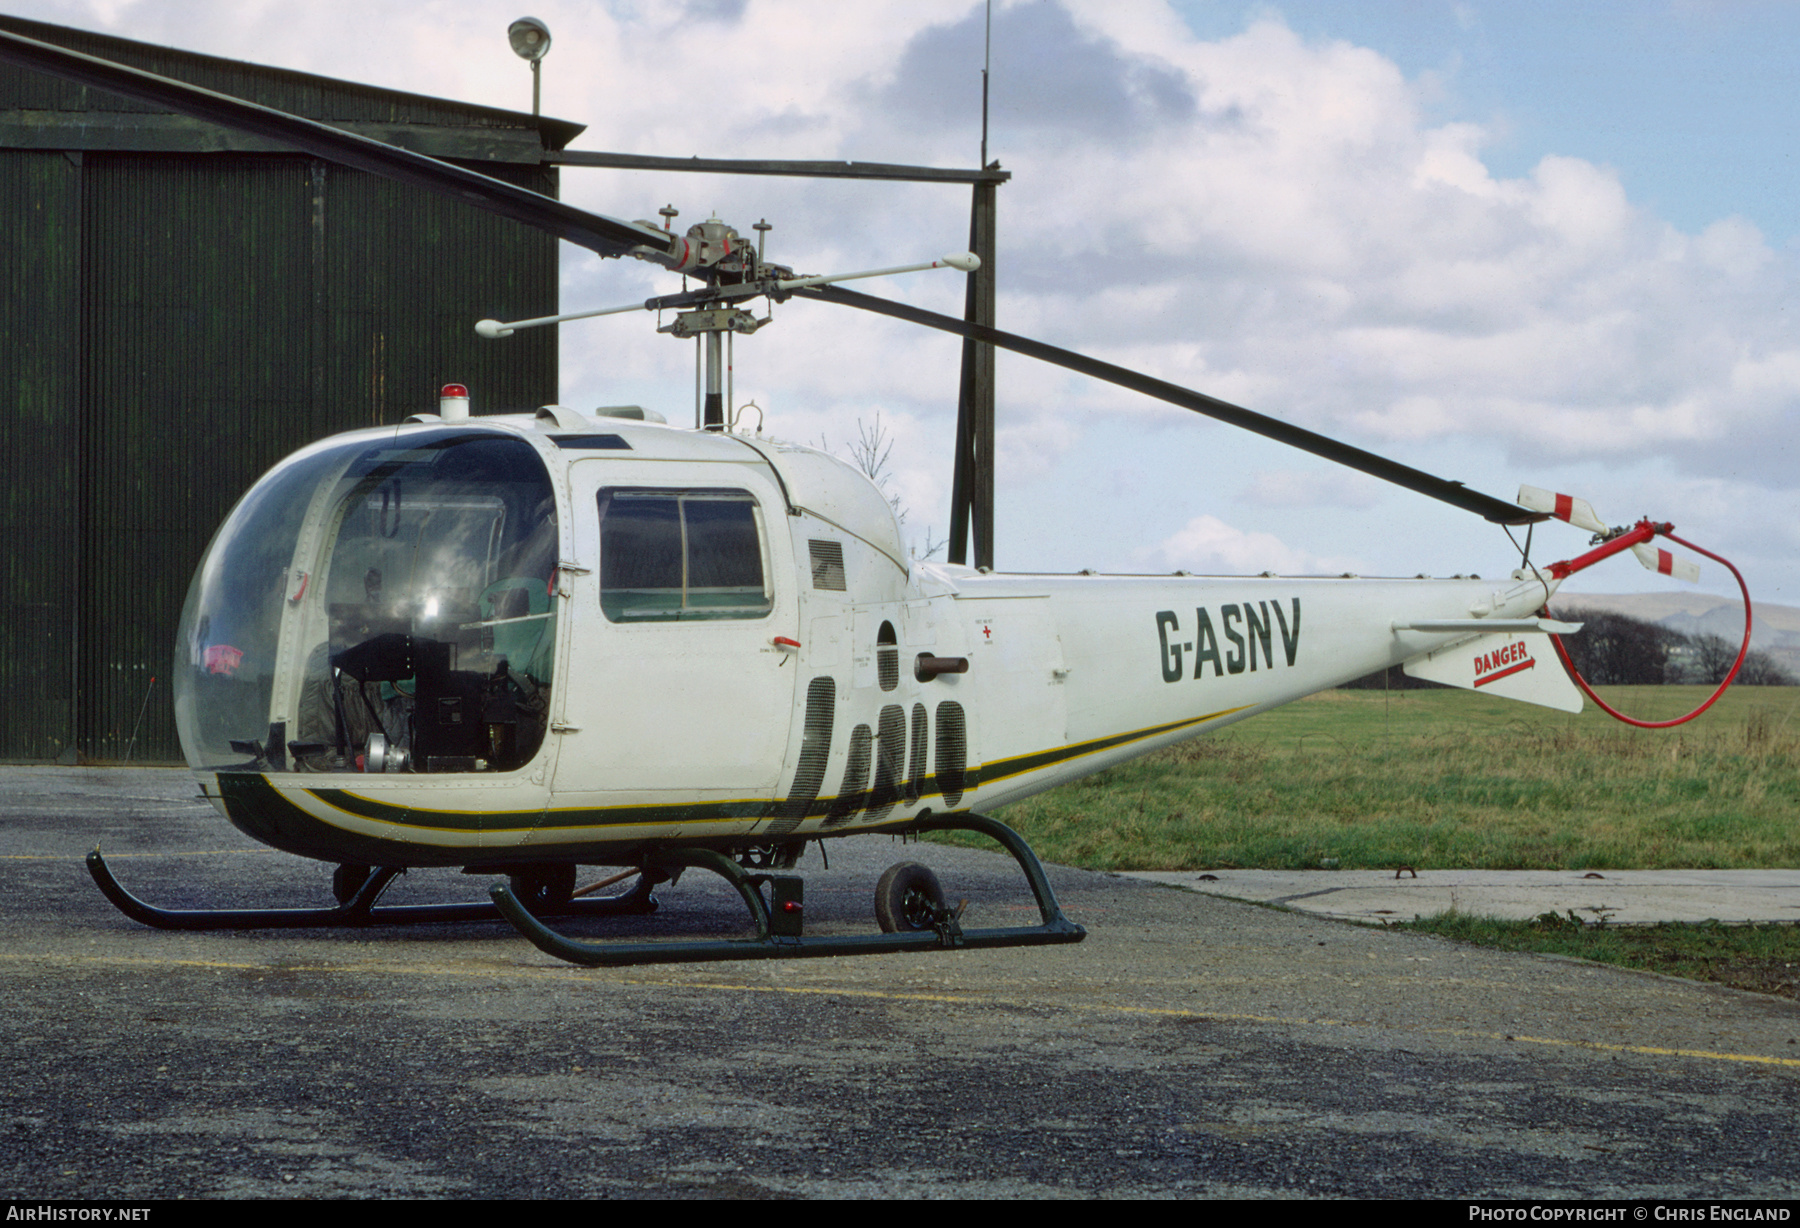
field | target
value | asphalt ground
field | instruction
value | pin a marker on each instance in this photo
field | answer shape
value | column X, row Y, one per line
column 1191, row 1046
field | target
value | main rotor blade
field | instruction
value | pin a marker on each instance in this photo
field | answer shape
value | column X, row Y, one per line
column 605, row 235
column 1454, row 493
column 612, row 237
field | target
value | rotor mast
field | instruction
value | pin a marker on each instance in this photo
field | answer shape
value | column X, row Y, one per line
column 730, row 263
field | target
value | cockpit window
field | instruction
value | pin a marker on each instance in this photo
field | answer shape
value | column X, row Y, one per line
column 680, row 555
column 441, row 612
column 403, row 617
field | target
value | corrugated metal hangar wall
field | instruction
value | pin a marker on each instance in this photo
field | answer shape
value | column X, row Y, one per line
column 184, row 306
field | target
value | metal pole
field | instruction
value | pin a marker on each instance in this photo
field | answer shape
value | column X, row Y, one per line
column 972, row 486
column 713, row 418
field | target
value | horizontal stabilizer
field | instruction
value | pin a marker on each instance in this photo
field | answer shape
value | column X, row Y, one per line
column 1512, row 666
column 1485, row 626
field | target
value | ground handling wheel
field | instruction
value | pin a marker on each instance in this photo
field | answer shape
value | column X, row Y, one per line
column 543, row 889
column 908, row 899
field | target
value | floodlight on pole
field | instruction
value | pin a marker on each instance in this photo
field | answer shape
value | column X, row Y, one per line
column 530, row 40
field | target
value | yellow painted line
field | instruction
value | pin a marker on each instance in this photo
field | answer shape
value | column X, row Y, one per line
column 1654, row 1051
column 1226, row 1017
column 511, row 970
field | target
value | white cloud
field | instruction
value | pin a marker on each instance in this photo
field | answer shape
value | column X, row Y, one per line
column 1344, row 263
column 1207, row 545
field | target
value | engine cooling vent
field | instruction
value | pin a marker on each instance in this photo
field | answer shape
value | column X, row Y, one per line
column 890, row 761
column 915, row 780
column 815, row 751
column 850, row 798
column 827, row 564
column 952, row 752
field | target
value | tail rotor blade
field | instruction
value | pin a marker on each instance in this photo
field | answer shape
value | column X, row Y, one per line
column 1576, row 511
column 1664, row 563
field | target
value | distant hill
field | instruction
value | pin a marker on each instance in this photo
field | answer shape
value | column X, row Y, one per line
column 1775, row 628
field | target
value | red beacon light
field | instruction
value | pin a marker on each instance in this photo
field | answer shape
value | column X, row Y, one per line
column 453, row 403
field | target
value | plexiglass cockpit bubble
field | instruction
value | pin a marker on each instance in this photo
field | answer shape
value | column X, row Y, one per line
column 379, row 602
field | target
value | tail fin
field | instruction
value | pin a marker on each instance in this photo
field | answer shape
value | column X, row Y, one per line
column 1511, row 665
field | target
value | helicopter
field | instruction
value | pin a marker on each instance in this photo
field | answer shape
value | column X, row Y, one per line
column 464, row 641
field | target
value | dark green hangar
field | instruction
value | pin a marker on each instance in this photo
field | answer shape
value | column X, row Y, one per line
column 183, row 306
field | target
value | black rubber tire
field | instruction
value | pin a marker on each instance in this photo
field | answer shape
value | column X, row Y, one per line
column 908, row 899
column 543, row 889
column 347, row 880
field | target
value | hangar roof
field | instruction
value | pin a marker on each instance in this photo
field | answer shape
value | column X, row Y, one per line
column 41, row 112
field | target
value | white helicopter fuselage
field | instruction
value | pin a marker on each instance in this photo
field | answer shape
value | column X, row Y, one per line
column 827, row 684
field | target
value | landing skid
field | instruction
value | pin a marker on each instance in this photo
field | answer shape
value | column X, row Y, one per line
column 778, row 933
column 358, row 910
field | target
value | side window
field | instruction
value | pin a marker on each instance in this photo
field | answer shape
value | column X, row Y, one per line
column 681, row 555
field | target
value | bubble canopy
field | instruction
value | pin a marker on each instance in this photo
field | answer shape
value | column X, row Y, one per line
column 378, row 602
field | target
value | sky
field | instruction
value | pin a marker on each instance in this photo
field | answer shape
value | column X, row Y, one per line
column 1505, row 243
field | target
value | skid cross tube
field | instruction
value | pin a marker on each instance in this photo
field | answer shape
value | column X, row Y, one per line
column 1056, row 928
column 358, row 910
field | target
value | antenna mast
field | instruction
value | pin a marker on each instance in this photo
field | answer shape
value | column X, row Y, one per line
column 987, row 59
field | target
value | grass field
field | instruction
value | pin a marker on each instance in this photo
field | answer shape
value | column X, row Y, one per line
column 1446, row 778
column 1760, row 958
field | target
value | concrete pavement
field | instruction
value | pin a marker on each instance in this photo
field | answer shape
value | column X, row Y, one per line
column 1619, row 897
column 1192, row 1046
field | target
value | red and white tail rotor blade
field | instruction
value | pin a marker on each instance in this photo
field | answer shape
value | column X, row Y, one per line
column 1664, row 563
column 1578, row 512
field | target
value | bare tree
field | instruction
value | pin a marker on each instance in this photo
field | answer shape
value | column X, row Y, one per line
column 871, row 453
column 1760, row 669
column 929, row 547
column 1614, row 649
column 1710, row 658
